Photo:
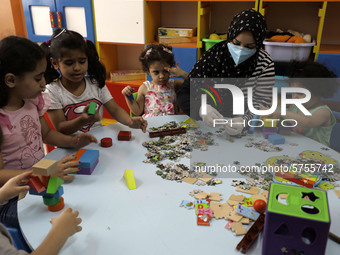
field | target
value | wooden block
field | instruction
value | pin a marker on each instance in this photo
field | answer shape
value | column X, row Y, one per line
column 54, row 184
column 252, row 190
column 88, row 158
column 269, row 123
column 45, row 167
column 189, row 180
column 57, row 207
column 124, row 136
column 130, row 179
column 51, row 200
column 92, row 108
column 36, row 184
column 167, row 132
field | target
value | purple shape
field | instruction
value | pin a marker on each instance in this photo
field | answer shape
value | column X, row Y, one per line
column 88, row 171
column 268, row 131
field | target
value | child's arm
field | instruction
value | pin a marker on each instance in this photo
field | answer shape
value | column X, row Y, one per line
column 321, row 117
column 121, row 116
column 64, row 226
column 53, row 137
column 177, row 72
column 71, row 126
column 136, row 106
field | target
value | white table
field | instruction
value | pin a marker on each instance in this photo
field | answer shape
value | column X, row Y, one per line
column 148, row 220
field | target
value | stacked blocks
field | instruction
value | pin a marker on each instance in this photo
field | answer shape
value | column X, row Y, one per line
column 48, row 187
column 284, row 130
column 276, row 139
column 269, row 127
column 130, row 179
column 88, row 161
column 300, row 226
column 124, row 136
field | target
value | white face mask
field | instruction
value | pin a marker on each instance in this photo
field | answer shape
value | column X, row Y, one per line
column 239, row 53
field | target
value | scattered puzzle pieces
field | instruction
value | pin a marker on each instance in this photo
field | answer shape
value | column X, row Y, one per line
column 238, row 228
column 252, row 190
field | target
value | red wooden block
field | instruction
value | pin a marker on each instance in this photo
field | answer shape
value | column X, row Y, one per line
column 106, row 142
column 124, row 136
column 36, row 184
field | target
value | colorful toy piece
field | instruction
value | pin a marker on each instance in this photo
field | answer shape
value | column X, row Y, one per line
column 130, row 179
column 247, row 212
column 299, row 226
column 88, row 161
column 45, row 167
column 124, row 136
column 260, row 205
column 266, row 131
column 106, row 142
column 46, row 186
column 92, row 108
column 276, row 139
column 251, row 235
column 269, row 123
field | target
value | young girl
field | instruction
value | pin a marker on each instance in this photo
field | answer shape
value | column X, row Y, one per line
column 22, row 105
column 321, row 83
column 70, row 58
column 157, row 97
column 64, row 226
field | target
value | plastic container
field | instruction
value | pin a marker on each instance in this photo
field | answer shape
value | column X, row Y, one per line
column 210, row 42
column 287, row 52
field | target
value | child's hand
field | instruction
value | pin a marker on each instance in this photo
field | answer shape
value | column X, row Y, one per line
column 127, row 91
column 177, row 72
column 14, row 186
column 275, row 115
column 67, row 222
column 138, row 122
column 82, row 140
column 66, row 166
column 89, row 118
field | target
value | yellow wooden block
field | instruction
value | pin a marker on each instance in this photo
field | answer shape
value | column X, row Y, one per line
column 269, row 123
column 130, row 179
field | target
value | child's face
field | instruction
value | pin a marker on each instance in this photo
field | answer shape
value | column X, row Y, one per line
column 73, row 65
column 158, row 74
column 31, row 84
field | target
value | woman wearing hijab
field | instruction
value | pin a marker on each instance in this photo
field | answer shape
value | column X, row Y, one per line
column 241, row 59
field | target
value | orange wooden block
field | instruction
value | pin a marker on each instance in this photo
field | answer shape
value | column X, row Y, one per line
column 45, row 180
column 57, row 207
column 79, row 154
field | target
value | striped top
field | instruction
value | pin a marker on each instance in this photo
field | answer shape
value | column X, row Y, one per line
column 257, row 72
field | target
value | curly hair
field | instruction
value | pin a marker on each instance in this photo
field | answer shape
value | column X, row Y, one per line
column 68, row 39
column 315, row 77
column 156, row 52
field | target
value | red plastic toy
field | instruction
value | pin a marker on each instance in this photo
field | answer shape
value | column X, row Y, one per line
column 260, row 205
column 124, row 136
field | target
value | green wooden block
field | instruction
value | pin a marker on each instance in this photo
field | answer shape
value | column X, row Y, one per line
column 53, row 185
column 92, row 108
column 51, row 200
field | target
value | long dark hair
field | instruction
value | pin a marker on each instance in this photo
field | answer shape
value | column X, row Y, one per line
column 67, row 39
column 18, row 55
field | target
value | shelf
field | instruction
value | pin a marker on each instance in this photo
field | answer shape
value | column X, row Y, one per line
column 189, row 45
column 330, row 48
column 125, row 83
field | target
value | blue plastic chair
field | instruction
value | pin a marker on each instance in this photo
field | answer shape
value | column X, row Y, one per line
column 18, row 239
